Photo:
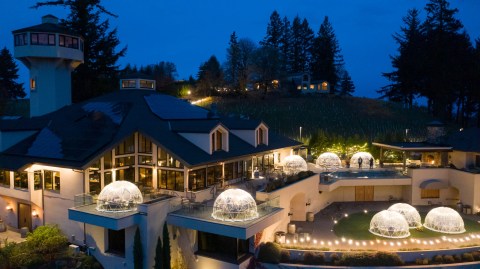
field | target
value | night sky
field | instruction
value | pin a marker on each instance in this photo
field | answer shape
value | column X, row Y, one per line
column 188, row 32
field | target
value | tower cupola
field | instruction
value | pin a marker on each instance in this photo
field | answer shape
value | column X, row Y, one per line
column 51, row 52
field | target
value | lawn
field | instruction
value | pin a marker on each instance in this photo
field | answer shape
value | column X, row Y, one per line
column 356, row 226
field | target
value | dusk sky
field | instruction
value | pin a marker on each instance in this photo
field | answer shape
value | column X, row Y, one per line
column 188, row 32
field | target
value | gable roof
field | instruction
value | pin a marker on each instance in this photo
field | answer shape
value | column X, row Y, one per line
column 77, row 134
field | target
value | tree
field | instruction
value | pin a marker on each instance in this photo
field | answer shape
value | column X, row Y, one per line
column 46, row 243
column 232, row 64
column 158, row 255
column 137, row 251
column 445, row 51
column 408, row 75
column 346, row 85
column 301, row 43
column 210, row 76
column 326, row 59
column 247, row 48
column 9, row 88
column 286, row 46
column 98, row 74
column 266, row 67
column 273, row 37
column 166, row 248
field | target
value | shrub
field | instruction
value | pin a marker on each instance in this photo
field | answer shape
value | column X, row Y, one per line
column 448, row 259
column 370, row 259
column 476, row 255
column 284, row 256
column 270, row 253
column 315, row 258
column 437, row 259
column 467, row 257
column 423, row 261
column 334, row 257
column 388, row 258
column 458, row 258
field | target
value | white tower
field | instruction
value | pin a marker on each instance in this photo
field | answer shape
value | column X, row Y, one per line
column 51, row 53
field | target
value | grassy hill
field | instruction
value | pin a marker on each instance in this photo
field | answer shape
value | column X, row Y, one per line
column 327, row 120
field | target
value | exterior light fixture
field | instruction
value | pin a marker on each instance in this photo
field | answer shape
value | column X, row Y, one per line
column 9, row 207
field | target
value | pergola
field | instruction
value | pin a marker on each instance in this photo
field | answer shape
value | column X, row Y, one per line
column 420, row 147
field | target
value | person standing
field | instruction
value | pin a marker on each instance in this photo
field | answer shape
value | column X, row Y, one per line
column 360, row 161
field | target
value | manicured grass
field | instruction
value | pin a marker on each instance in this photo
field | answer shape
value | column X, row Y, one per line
column 356, row 226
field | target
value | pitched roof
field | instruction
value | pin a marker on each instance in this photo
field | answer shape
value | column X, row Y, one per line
column 77, row 134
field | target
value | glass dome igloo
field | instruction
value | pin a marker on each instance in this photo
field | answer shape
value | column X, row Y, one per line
column 119, row 196
column 409, row 212
column 329, row 161
column 293, row 164
column 444, row 220
column 234, row 205
column 389, row 224
column 365, row 156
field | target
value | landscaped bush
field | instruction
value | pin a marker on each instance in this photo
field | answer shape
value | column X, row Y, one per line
column 467, row 257
column 476, row 255
column 315, row 258
column 370, row 259
column 437, row 259
column 270, row 253
column 448, row 259
column 458, row 258
column 423, row 261
column 284, row 256
column 334, row 258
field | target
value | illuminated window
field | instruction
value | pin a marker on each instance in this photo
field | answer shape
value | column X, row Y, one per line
column 52, row 180
column 324, row 86
column 146, row 84
column 4, row 177
column 33, row 84
column 128, row 83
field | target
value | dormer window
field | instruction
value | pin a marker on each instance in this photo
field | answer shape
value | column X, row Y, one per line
column 219, row 139
column 261, row 134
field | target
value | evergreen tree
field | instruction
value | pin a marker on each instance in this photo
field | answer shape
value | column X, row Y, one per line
column 210, row 76
column 346, row 85
column 301, row 43
column 326, row 59
column 137, row 251
column 9, row 88
column 445, row 53
column 286, row 46
column 233, row 62
column 408, row 77
column 166, row 248
column 158, row 255
column 98, row 74
column 273, row 37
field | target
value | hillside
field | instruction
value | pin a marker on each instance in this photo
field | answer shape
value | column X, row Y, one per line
column 328, row 120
